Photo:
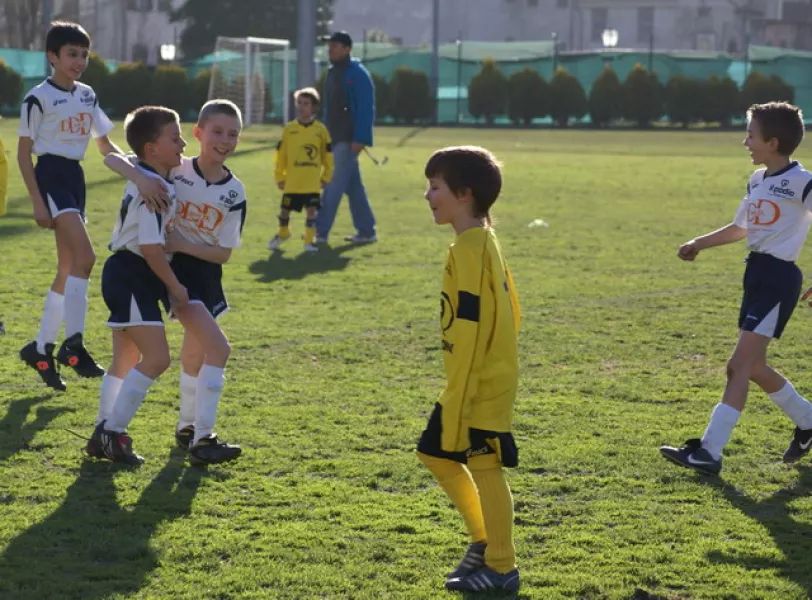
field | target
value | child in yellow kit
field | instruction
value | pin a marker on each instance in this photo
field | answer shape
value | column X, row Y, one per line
column 304, row 165
column 468, row 439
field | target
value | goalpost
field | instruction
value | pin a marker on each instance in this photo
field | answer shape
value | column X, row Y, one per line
column 253, row 73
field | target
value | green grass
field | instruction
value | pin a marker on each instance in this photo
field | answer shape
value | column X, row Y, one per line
column 336, row 365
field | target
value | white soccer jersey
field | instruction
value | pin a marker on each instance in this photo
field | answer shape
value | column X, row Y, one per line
column 208, row 213
column 135, row 225
column 776, row 211
column 62, row 121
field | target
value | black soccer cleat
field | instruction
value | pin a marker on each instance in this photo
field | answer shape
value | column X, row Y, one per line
column 95, row 446
column 210, row 451
column 473, row 560
column 693, row 456
column 118, row 447
column 44, row 365
column 799, row 446
column 485, row 580
column 72, row 353
column 184, row 437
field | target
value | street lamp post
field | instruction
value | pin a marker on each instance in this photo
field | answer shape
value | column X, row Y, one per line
column 459, row 76
column 555, row 52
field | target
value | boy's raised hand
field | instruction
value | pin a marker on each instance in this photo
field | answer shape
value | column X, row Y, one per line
column 688, row 250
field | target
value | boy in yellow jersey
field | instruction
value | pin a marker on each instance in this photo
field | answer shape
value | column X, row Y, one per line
column 304, row 165
column 468, row 439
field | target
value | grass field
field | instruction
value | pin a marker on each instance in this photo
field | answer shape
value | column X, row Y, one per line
column 336, row 365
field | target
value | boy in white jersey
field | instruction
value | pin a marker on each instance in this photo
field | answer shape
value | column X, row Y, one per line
column 137, row 279
column 210, row 216
column 775, row 217
column 58, row 118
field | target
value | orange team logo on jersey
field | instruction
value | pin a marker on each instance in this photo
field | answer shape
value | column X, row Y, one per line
column 763, row 212
column 79, row 124
column 205, row 219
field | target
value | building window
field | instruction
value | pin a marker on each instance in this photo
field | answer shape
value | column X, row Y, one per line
column 562, row 3
column 165, row 5
column 532, row 2
column 140, row 53
column 645, row 24
column 703, row 12
column 70, row 9
column 139, row 5
column 600, row 19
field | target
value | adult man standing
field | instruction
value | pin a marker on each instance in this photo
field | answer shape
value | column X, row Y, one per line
column 349, row 111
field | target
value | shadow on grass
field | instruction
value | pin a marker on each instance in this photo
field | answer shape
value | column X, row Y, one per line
column 279, row 266
column 15, row 433
column 91, row 548
column 792, row 537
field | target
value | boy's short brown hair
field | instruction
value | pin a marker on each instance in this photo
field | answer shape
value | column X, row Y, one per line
column 780, row 120
column 66, row 33
column 469, row 168
column 308, row 92
column 143, row 126
column 218, row 106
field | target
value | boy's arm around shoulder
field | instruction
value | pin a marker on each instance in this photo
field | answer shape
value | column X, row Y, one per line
column 152, row 189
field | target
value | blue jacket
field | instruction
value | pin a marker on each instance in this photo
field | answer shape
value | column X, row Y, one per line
column 360, row 93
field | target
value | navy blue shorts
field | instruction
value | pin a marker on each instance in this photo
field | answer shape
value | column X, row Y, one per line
column 61, row 182
column 772, row 288
column 482, row 442
column 203, row 282
column 132, row 291
column 296, row 202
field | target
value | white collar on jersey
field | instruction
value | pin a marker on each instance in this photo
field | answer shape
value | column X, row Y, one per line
column 60, row 88
column 225, row 179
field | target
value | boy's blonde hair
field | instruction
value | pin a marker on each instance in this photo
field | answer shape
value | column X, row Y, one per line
column 308, row 92
column 219, row 106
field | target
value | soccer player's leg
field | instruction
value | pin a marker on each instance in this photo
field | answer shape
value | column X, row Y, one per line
column 283, row 233
column 191, row 360
column 489, row 453
column 310, row 224
column 152, row 345
column 71, row 233
column 39, row 354
column 125, row 357
column 206, row 447
column 455, row 480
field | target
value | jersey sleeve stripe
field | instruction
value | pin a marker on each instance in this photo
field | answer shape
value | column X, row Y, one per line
column 31, row 102
column 807, row 191
column 468, row 306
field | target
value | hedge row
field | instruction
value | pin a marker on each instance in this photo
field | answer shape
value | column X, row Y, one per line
column 640, row 98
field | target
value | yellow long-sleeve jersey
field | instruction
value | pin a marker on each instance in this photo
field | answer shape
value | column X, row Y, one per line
column 480, row 322
column 304, row 157
column 3, row 179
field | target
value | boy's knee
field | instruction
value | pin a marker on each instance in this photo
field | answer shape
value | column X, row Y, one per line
column 83, row 264
column 738, row 368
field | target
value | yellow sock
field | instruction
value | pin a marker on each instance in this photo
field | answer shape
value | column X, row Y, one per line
column 497, row 511
column 309, row 235
column 456, row 482
column 284, row 232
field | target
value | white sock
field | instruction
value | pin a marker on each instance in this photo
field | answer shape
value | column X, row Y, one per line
column 110, row 388
column 75, row 305
column 51, row 320
column 210, row 382
column 723, row 420
column 794, row 405
column 188, row 394
column 133, row 391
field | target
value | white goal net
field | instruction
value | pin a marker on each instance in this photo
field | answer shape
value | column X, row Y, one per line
column 253, row 73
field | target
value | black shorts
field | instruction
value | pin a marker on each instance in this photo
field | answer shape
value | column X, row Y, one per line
column 203, row 282
column 296, row 202
column 61, row 181
column 132, row 291
column 772, row 288
column 482, row 442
